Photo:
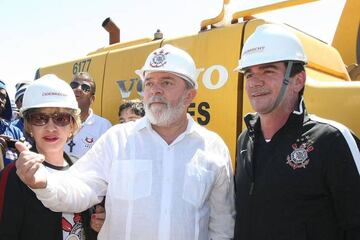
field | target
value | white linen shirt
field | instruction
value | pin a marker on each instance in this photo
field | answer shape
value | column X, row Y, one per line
column 180, row 191
column 90, row 131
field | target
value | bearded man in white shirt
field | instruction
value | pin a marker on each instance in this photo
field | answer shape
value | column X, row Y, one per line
column 164, row 176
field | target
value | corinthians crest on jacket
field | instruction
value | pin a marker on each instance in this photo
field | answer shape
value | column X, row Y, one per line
column 299, row 157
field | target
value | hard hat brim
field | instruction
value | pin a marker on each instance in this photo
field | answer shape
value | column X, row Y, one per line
column 47, row 105
column 142, row 73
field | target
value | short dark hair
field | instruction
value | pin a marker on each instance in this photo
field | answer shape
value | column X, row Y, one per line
column 135, row 105
column 297, row 68
column 85, row 76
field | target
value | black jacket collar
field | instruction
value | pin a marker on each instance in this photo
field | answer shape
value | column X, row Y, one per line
column 296, row 119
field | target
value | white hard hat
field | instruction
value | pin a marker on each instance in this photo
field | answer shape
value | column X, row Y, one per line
column 271, row 43
column 170, row 59
column 49, row 91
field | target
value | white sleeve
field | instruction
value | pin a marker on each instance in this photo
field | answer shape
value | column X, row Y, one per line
column 85, row 183
column 222, row 203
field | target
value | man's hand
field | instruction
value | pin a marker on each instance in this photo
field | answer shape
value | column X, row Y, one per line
column 28, row 167
column 98, row 218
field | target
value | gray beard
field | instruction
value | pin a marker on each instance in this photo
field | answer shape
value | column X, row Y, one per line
column 167, row 115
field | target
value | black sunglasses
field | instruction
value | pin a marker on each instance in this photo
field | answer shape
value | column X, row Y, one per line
column 85, row 87
column 60, row 119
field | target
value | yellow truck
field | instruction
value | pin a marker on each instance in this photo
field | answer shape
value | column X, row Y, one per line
column 332, row 90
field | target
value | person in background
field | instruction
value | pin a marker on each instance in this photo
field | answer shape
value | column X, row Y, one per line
column 51, row 117
column 5, row 127
column 15, row 111
column 130, row 110
column 164, row 176
column 297, row 175
column 20, row 90
column 92, row 125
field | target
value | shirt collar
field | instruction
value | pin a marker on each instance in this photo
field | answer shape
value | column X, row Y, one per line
column 296, row 119
column 89, row 120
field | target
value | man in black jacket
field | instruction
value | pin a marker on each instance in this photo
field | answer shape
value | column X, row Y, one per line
column 297, row 175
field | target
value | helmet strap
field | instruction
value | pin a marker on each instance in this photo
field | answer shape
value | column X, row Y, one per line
column 284, row 86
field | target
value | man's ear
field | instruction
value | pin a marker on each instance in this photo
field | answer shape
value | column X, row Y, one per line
column 299, row 81
column 92, row 98
column 190, row 95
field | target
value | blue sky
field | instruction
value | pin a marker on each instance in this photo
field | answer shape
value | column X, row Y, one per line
column 43, row 32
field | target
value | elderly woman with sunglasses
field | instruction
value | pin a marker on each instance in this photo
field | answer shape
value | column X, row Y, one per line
column 51, row 117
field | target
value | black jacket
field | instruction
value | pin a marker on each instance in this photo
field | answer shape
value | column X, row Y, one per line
column 302, row 185
column 23, row 216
